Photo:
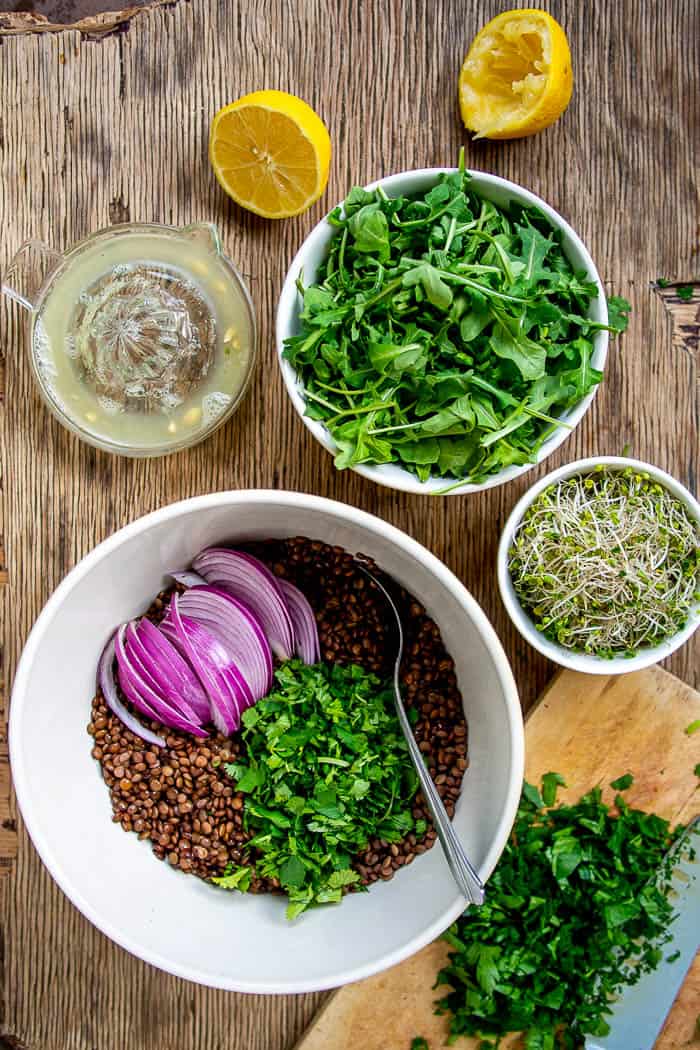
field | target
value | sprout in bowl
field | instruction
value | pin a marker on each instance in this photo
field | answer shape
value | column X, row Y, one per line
column 443, row 331
column 599, row 565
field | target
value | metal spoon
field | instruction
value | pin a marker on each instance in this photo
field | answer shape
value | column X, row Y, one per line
column 469, row 883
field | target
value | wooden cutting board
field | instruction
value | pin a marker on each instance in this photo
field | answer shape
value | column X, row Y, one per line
column 591, row 729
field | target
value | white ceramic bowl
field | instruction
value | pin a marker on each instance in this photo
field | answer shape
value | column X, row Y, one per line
column 314, row 250
column 177, row 922
column 558, row 653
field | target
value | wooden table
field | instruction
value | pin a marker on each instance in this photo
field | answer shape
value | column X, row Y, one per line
column 98, row 132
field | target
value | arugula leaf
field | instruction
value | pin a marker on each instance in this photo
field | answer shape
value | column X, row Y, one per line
column 370, row 231
column 530, row 359
column 534, row 249
column 618, row 313
column 437, row 292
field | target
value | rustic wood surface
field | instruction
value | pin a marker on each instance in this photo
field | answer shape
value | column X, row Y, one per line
column 93, row 133
column 597, row 728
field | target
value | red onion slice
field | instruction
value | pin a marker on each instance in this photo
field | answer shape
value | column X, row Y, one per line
column 214, row 666
column 137, row 690
column 251, row 582
column 108, row 685
column 307, row 645
column 237, row 628
column 174, row 677
column 183, row 644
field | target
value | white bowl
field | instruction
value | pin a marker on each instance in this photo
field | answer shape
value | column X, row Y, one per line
column 175, row 921
column 584, row 662
column 313, row 252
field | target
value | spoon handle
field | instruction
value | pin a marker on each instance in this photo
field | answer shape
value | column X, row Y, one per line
column 470, row 885
column 463, row 872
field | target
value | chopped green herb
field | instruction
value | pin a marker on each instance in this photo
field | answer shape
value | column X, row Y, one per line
column 577, row 907
column 693, row 727
column 325, row 769
column 419, row 1043
column 697, row 770
column 445, row 333
column 685, row 292
column 622, row 783
column 607, row 563
column 550, row 782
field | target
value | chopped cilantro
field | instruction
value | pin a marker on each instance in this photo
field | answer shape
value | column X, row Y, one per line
column 325, row 770
column 692, row 728
column 685, row 292
column 576, row 908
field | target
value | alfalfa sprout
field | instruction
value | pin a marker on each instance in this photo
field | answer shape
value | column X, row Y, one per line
column 607, row 563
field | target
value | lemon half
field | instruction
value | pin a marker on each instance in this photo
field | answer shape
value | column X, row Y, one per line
column 271, row 153
column 517, row 77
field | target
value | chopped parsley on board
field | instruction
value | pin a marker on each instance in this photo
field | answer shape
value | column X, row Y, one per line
column 576, row 908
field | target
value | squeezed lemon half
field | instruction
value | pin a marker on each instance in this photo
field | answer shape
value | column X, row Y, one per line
column 517, row 77
column 271, row 153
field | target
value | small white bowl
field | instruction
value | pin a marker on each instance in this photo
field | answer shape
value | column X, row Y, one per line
column 313, row 252
column 175, row 921
column 577, row 661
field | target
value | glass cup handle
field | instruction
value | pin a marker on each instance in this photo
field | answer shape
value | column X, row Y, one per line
column 27, row 271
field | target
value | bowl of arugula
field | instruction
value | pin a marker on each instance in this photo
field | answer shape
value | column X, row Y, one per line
column 442, row 331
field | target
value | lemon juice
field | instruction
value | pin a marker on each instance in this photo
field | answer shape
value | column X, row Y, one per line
column 144, row 338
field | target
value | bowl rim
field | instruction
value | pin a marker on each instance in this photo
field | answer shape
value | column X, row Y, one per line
column 391, row 475
column 568, row 658
column 354, row 515
column 156, row 230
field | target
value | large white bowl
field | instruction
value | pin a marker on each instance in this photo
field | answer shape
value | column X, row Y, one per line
column 409, row 183
column 559, row 654
column 177, row 922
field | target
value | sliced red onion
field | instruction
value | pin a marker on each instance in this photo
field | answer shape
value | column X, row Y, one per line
column 108, row 685
column 246, row 578
column 307, row 645
column 227, row 693
column 144, row 698
column 237, row 628
column 174, row 677
column 183, row 643
column 188, row 578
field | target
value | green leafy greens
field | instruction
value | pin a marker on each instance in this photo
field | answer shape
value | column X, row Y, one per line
column 445, row 334
column 326, row 769
column 577, row 907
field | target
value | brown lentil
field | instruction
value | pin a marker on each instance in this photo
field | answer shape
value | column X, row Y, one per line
column 181, row 798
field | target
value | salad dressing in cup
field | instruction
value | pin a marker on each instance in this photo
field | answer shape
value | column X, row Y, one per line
column 142, row 337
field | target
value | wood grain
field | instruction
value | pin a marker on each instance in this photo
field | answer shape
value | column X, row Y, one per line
column 98, row 132
column 591, row 729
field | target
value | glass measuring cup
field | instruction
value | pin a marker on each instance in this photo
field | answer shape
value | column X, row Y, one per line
column 142, row 337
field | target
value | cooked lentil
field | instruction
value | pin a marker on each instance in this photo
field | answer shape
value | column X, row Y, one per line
column 180, row 798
